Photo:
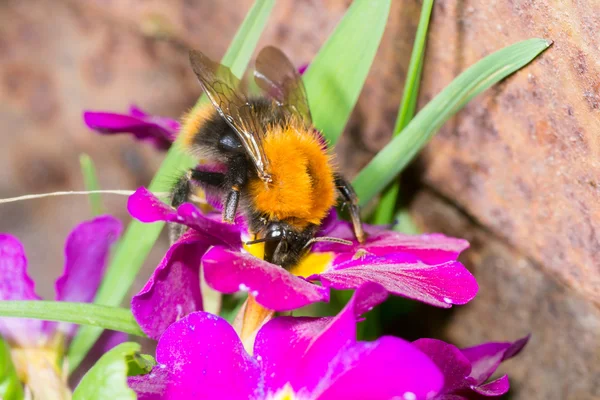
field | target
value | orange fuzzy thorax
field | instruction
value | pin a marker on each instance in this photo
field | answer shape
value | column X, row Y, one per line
column 191, row 123
column 303, row 187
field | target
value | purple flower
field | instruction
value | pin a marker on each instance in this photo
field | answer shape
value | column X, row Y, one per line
column 466, row 371
column 201, row 357
column 422, row 267
column 37, row 346
column 160, row 131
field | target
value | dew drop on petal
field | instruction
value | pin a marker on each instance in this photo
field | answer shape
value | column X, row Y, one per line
column 243, row 287
column 447, row 300
column 410, row 396
column 254, row 293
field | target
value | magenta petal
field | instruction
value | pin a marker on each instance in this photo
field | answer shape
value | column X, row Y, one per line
column 87, row 250
column 173, row 290
column 454, row 365
column 15, row 284
column 433, row 248
column 403, row 274
column 206, row 360
column 161, row 132
column 387, row 368
column 151, row 386
column 146, row 207
column 172, row 126
column 485, row 358
column 495, row 388
column 282, row 343
column 273, row 287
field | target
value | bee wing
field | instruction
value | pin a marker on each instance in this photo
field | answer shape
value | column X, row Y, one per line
column 221, row 87
column 276, row 75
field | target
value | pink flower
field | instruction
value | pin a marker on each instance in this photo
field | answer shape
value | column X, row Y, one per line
column 421, row 267
column 160, row 131
column 201, row 357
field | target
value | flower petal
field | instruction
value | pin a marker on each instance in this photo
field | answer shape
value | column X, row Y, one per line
column 161, row 132
column 272, row 286
column 433, row 248
column 387, row 368
column 485, row 358
column 282, row 343
column 87, row 250
column 146, row 207
column 206, row 359
column 454, row 365
column 15, row 284
column 173, row 290
column 151, row 386
column 403, row 274
column 495, row 388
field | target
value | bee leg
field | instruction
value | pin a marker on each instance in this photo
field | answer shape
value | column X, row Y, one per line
column 236, row 178
column 231, row 204
column 180, row 194
column 349, row 197
column 183, row 190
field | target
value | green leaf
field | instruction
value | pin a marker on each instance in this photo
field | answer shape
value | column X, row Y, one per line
column 387, row 204
column 405, row 223
column 337, row 74
column 139, row 238
column 106, row 317
column 90, row 180
column 139, row 364
column 10, row 386
column 107, row 379
column 388, row 163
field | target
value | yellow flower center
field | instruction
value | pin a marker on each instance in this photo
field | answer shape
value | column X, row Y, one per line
column 312, row 263
column 285, row 393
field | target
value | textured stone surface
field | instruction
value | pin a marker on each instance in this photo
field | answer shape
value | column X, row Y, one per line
column 517, row 297
column 50, row 70
column 524, row 158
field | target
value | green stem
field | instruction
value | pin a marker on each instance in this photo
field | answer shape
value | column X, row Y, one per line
column 387, row 204
column 90, row 180
column 105, row 317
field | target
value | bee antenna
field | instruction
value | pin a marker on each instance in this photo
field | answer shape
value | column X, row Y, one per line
column 251, row 242
column 328, row 239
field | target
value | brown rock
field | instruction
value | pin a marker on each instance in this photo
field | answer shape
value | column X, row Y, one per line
column 516, row 298
column 524, row 157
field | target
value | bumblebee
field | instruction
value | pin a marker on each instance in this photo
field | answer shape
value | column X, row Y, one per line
column 263, row 157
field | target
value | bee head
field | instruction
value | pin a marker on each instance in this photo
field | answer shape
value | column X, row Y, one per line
column 283, row 244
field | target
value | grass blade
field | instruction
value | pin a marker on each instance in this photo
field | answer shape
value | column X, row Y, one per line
column 388, row 163
column 139, row 238
column 387, row 204
column 10, row 385
column 336, row 76
column 90, row 180
column 105, row 317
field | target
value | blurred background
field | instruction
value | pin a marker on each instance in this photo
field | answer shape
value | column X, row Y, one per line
column 517, row 172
